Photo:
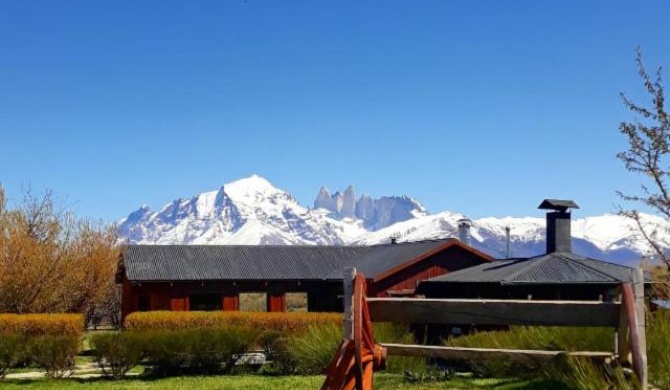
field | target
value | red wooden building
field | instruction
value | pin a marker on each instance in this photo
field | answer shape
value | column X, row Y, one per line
column 209, row 277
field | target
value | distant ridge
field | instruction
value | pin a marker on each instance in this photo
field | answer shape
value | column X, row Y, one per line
column 253, row 211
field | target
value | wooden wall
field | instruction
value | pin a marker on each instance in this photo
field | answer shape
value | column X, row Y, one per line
column 321, row 295
column 405, row 281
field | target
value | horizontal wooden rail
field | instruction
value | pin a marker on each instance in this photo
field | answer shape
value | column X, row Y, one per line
column 485, row 353
column 495, row 312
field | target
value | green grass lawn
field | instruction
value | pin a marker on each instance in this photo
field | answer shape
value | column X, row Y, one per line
column 257, row 382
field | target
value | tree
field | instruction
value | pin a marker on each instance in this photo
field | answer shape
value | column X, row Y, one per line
column 648, row 155
column 51, row 261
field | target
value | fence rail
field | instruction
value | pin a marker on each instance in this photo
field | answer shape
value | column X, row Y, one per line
column 627, row 316
column 495, row 312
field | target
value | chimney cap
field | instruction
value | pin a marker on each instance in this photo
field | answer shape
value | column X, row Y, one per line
column 558, row 205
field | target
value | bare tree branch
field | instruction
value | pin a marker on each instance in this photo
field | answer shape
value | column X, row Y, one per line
column 647, row 155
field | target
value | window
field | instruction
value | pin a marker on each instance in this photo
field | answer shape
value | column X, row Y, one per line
column 296, row 301
column 205, row 302
column 253, row 302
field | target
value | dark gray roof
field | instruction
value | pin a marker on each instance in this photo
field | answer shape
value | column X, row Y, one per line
column 557, row 204
column 265, row 262
column 553, row 268
column 221, row 262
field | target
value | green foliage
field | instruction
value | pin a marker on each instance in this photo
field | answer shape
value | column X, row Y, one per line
column 573, row 373
column 540, row 337
column 12, row 350
column 265, row 382
column 536, row 337
column 117, row 353
column 166, row 351
column 199, row 350
column 276, row 348
column 313, row 350
column 658, row 347
column 584, row 374
column 54, row 353
column 399, row 334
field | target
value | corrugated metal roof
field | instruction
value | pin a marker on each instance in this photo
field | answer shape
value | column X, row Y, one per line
column 382, row 258
column 238, row 262
column 553, row 268
column 265, row 262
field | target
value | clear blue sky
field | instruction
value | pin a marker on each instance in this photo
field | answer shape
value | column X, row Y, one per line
column 480, row 107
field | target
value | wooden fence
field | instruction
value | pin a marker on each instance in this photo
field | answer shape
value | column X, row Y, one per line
column 627, row 316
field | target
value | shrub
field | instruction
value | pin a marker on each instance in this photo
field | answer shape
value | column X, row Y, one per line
column 12, row 350
column 211, row 347
column 584, row 374
column 399, row 334
column 658, row 345
column 276, row 348
column 54, row 353
column 200, row 350
column 314, row 349
column 294, row 322
column 536, row 337
column 42, row 324
column 166, row 351
column 117, row 353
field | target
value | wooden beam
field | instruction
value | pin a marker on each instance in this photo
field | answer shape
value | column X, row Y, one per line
column 641, row 314
column 633, row 301
column 484, row 353
column 494, row 312
column 623, row 336
column 349, row 274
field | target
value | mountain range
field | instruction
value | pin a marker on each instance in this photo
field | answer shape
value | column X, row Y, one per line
column 253, row 211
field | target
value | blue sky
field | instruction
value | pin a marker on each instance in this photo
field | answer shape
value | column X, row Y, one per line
column 480, row 107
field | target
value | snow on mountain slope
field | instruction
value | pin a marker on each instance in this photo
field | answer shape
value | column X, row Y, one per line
column 376, row 214
column 246, row 211
column 253, row 211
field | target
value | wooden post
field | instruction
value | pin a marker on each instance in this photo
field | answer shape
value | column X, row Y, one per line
column 641, row 312
column 623, row 337
column 633, row 301
column 349, row 274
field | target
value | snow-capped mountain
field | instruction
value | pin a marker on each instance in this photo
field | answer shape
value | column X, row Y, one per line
column 375, row 213
column 246, row 211
column 253, row 211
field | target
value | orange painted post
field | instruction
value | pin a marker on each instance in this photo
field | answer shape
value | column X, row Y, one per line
column 356, row 360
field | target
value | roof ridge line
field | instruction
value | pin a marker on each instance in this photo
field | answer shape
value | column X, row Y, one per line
column 580, row 263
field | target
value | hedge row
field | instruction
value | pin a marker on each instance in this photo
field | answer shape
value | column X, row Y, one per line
column 54, row 353
column 42, row 324
column 214, row 350
column 169, row 352
column 281, row 322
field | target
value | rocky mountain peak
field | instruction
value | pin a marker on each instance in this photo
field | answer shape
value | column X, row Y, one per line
column 374, row 213
column 253, row 211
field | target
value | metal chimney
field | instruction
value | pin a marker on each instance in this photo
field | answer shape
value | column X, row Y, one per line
column 558, row 224
column 464, row 231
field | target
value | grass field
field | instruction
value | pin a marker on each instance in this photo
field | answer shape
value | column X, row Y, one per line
column 256, row 382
